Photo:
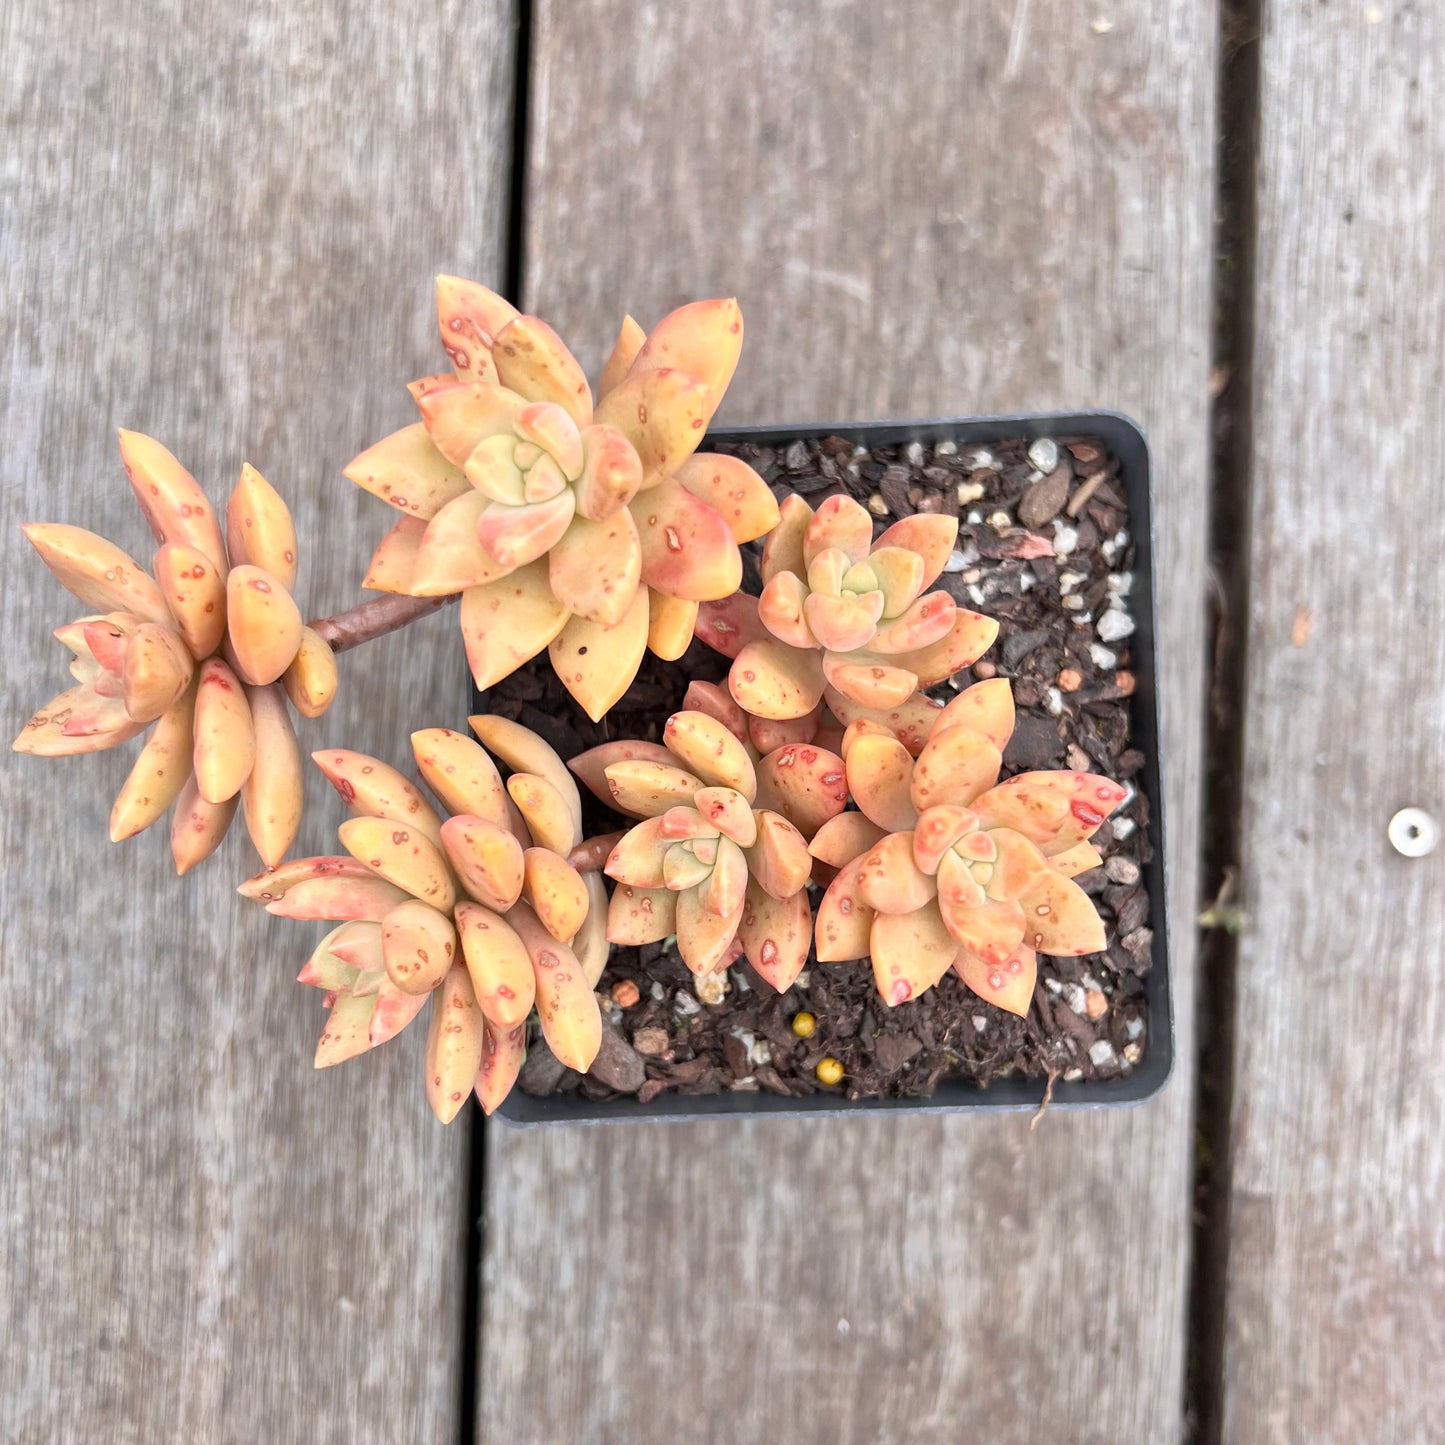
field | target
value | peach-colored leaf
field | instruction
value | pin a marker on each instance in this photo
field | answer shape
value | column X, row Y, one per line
column 986, row 708
column 595, row 567
column 1060, row 918
column 259, row 528
column 225, row 741
column 97, row 571
column 781, row 610
column 505, row 623
column 555, row 891
column 469, row 317
column 453, row 1044
column 159, row 773
column 170, row 497
column 911, row 952
column 779, row 860
column 402, row 854
column 671, row 622
column 727, row 812
column 532, row 360
column 486, row 858
column 393, row 565
column 641, row 915
column 1008, row 985
column 771, row 680
column 597, row 664
column 514, row 536
column 844, row 921
column 371, row 788
column 459, row 418
column 418, row 946
column 734, row 491
column 499, row 964
column 638, row 856
column 972, row 636
column 644, row 789
column 407, row 472
column 1078, row 859
column 889, row 880
column 566, row 1006
column 843, row 838
column 703, row 339
column 263, row 625
column 911, row 721
column 663, row 414
column 991, row 929
column 630, row 338
column 687, row 548
column 460, row 774
column 503, row 1053
column 1054, row 810
column 592, row 765
column 195, row 589
column 931, row 535
column 197, row 828
column 871, row 681
column 879, row 770
column 783, row 547
column 157, row 671
column 273, row 793
column 707, row 748
column 930, row 619
column 841, row 523
column 955, row 766
column 807, row 784
column 775, row 934
column 729, row 625
column 704, row 937
column 347, row 1031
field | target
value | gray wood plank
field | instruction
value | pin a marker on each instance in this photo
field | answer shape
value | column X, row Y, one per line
column 923, row 208
column 219, row 224
column 1336, row 1303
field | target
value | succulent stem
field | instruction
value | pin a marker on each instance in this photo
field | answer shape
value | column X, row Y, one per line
column 368, row 620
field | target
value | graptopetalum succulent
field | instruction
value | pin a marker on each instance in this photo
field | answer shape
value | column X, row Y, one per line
column 839, row 609
column 208, row 646
column 948, row 867
column 705, row 864
column 493, row 876
column 593, row 531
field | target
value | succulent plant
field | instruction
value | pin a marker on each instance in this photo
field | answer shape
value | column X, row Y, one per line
column 705, row 864
column 593, row 532
column 208, row 646
column 492, row 878
column 948, row 867
column 840, row 610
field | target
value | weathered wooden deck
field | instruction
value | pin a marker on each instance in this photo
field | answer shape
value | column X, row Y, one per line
column 219, row 222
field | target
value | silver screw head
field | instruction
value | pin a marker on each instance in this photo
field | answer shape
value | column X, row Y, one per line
column 1413, row 832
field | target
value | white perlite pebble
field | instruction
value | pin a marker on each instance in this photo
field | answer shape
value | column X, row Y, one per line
column 956, row 561
column 803, row 980
column 979, row 1023
column 969, row 492
column 1072, row 1076
column 1101, row 1052
column 1074, row 602
column 685, row 1003
column 1135, row 1028
column 1044, row 454
column 975, row 595
column 1114, row 626
column 1122, row 828
column 1065, row 539
column 1133, row 1053
column 914, row 454
column 1055, row 704
column 1053, row 985
column 1069, row 580
column 658, row 992
column 1000, row 521
column 1101, row 655
column 761, row 1053
column 1119, row 583
column 946, row 449
column 1026, row 581
column 1075, row 997
column 982, row 458
column 712, row 987
column 974, row 518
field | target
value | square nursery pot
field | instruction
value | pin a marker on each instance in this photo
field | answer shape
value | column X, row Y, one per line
column 1121, row 438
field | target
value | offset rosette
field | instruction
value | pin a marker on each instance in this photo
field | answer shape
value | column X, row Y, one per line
column 947, row 867
column 705, row 864
column 840, row 610
column 208, row 647
column 479, row 911
column 593, row 531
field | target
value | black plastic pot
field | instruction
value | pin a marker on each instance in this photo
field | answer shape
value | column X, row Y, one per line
column 1124, row 439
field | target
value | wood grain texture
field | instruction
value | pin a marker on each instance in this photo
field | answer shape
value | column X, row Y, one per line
column 924, row 208
column 1337, row 1273
column 219, row 224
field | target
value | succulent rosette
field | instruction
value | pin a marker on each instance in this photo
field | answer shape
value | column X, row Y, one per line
column 479, row 911
column 948, row 867
column 207, row 646
column 593, row 531
column 705, row 864
column 839, row 609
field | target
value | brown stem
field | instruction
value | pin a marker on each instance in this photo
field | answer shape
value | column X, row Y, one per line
column 374, row 619
column 591, row 855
